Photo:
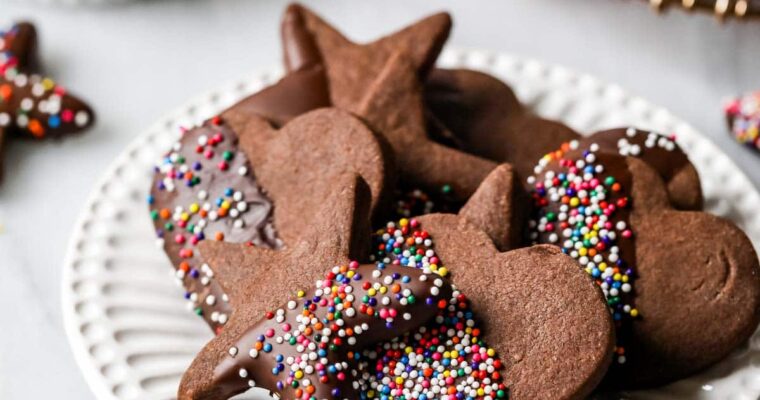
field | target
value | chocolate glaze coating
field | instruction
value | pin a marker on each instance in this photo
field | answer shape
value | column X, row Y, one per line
column 257, row 221
column 31, row 105
column 259, row 369
column 662, row 154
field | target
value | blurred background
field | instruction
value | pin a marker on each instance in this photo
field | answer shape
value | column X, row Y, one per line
column 139, row 59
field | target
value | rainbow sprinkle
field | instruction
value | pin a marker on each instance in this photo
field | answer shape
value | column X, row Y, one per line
column 445, row 359
column 585, row 212
column 210, row 194
column 744, row 116
column 31, row 103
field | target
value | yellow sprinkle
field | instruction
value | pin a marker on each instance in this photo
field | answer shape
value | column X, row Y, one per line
column 574, row 202
column 443, row 271
column 602, row 266
column 634, row 312
column 481, row 392
column 225, row 204
column 194, row 208
column 408, row 349
column 616, row 277
column 399, row 380
column 372, row 292
column 185, row 217
column 582, row 251
column 625, row 278
column 299, row 374
column 383, row 289
column 403, row 222
column 48, row 83
column 491, row 352
column 350, row 274
column 301, row 293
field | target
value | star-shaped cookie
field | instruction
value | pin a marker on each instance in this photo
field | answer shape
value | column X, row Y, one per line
column 379, row 81
column 30, row 104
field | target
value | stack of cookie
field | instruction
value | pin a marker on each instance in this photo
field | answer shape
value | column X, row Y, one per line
column 549, row 264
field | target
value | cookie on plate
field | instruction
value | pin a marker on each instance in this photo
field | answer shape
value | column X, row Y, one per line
column 484, row 117
column 682, row 286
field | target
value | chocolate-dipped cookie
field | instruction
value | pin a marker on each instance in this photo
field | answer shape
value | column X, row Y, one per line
column 304, row 348
column 379, row 82
column 32, row 105
column 544, row 317
column 682, row 286
column 486, row 118
column 209, row 187
column 387, row 301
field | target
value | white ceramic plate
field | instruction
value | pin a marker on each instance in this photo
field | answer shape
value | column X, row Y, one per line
column 128, row 323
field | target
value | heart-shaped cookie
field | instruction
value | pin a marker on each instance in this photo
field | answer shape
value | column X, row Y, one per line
column 263, row 192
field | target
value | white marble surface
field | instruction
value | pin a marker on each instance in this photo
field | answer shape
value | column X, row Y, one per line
column 136, row 61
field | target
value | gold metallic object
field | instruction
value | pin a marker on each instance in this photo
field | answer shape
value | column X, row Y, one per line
column 721, row 8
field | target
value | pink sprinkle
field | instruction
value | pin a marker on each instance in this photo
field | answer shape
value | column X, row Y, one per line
column 179, row 239
column 67, row 115
column 269, row 332
column 286, row 327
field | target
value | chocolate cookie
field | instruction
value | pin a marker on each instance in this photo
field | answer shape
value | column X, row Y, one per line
column 682, row 286
column 486, row 119
column 207, row 187
column 32, row 105
column 379, row 82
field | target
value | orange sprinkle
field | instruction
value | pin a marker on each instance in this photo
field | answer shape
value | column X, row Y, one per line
column 165, row 213
column 6, row 91
column 219, row 236
column 36, row 128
